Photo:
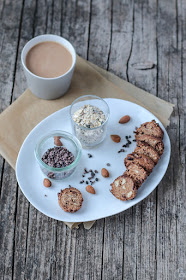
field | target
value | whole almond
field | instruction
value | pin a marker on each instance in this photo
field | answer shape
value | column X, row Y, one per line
column 47, row 183
column 125, row 119
column 115, row 138
column 90, row 189
column 104, row 172
column 57, row 141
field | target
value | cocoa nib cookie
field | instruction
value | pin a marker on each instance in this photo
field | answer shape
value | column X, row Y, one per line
column 145, row 149
column 70, row 199
column 150, row 128
column 154, row 142
column 137, row 173
column 141, row 160
column 123, row 188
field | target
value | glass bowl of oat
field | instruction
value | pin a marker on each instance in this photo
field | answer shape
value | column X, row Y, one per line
column 89, row 118
column 58, row 154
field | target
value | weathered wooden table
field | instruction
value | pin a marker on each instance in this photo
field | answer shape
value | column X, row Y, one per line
column 148, row 240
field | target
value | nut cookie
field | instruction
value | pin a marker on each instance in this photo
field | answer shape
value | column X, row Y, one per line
column 123, row 188
column 154, row 142
column 145, row 149
column 142, row 160
column 137, row 173
column 150, row 128
column 70, row 199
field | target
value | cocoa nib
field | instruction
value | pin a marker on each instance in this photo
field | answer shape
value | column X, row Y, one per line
column 57, row 157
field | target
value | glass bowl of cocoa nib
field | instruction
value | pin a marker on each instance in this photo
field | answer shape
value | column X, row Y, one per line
column 58, row 154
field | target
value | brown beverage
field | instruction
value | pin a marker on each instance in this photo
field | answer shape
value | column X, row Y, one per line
column 48, row 59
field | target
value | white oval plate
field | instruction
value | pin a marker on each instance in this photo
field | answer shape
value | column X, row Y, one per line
column 103, row 203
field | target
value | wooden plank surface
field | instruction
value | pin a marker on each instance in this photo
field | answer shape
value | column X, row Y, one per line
column 148, row 240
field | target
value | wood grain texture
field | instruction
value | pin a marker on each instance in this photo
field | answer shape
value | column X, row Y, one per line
column 172, row 192
column 148, row 240
column 11, row 14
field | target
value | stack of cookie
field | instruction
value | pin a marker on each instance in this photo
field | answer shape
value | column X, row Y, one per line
column 140, row 163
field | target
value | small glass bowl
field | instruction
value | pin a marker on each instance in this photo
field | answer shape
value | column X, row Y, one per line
column 90, row 137
column 70, row 142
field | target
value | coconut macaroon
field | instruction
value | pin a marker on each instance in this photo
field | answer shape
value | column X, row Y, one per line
column 70, row 199
column 123, row 188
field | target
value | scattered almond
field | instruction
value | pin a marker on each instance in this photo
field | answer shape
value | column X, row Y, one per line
column 47, row 183
column 124, row 119
column 104, row 172
column 57, row 141
column 90, row 189
column 115, row 138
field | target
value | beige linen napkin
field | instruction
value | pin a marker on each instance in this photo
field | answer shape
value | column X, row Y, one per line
column 28, row 110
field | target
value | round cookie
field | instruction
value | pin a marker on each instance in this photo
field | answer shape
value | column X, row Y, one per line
column 137, row 173
column 70, row 199
column 123, row 188
column 151, row 128
column 141, row 159
column 153, row 141
column 145, row 149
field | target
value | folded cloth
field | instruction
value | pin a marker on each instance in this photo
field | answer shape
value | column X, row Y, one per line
column 28, row 110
